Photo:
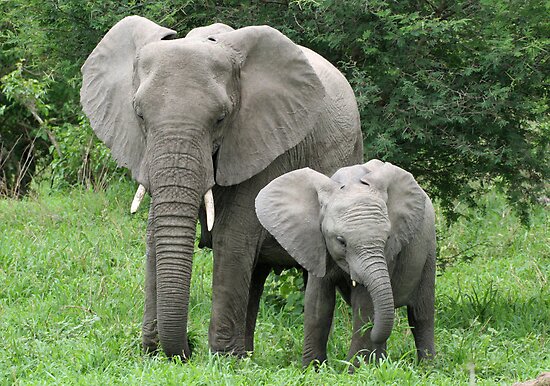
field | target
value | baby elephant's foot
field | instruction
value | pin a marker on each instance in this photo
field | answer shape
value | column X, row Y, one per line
column 366, row 356
column 239, row 354
column 313, row 362
column 228, row 347
column 150, row 346
column 427, row 354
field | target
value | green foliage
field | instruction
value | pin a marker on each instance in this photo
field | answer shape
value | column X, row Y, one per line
column 27, row 92
column 455, row 92
column 285, row 291
column 84, row 159
column 71, row 268
column 24, row 132
column 70, row 151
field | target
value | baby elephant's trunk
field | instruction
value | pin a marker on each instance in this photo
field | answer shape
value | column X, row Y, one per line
column 372, row 271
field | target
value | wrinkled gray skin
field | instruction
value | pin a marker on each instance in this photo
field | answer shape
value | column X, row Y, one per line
column 224, row 109
column 368, row 223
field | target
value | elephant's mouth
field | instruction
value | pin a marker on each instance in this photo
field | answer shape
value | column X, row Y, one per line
column 215, row 148
column 356, row 279
column 208, row 204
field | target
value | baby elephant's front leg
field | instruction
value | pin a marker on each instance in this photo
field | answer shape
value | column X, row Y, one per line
column 318, row 311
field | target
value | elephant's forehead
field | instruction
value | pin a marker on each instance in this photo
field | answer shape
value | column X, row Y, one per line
column 350, row 174
column 199, row 53
column 355, row 201
column 345, row 220
column 356, row 193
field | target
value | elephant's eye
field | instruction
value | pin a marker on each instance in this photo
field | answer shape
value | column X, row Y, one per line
column 137, row 109
column 341, row 240
column 342, row 187
column 221, row 117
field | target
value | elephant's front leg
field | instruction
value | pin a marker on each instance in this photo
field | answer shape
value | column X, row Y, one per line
column 235, row 242
column 319, row 305
column 363, row 311
column 149, row 332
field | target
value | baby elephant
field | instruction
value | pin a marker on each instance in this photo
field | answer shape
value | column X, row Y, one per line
column 369, row 231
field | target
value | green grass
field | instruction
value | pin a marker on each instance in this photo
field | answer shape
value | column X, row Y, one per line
column 71, row 297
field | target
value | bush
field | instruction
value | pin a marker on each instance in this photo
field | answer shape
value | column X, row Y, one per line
column 24, row 132
column 452, row 91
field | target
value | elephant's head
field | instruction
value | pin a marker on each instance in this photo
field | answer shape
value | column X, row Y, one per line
column 362, row 217
column 216, row 107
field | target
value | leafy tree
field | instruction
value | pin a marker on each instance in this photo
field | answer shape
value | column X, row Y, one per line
column 456, row 91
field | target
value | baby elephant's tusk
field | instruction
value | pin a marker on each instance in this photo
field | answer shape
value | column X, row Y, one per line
column 353, row 283
column 137, row 198
column 209, row 205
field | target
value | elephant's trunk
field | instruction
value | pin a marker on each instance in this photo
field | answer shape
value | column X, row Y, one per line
column 174, row 238
column 370, row 268
column 177, row 186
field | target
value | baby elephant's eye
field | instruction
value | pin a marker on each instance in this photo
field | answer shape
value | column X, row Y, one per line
column 341, row 240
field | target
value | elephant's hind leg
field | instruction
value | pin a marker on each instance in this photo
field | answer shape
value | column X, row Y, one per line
column 261, row 271
column 421, row 312
column 236, row 244
column 423, row 331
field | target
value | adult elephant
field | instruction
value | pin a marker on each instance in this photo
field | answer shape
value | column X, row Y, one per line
column 223, row 110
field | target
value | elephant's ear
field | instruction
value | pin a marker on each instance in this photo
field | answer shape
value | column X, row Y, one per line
column 280, row 97
column 404, row 198
column 107, row 91
column 289, row 208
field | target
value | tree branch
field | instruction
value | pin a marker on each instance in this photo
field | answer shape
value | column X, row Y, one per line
column 49, row 133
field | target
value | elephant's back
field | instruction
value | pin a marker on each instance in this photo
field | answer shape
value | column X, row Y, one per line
column 335, row 83
column 337, row 140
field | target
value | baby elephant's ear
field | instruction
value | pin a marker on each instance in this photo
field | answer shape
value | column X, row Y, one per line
column 404, row 198
column 289, row 208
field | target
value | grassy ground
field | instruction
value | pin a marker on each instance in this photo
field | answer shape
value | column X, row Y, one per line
column 71, row 283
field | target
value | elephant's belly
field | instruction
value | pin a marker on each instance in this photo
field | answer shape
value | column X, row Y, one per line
column 401, row 300
column 403, row 289
column 274, row 255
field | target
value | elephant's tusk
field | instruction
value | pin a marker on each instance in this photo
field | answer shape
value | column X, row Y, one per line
column 209, row 205
column 137, row 198
column 353, row 283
